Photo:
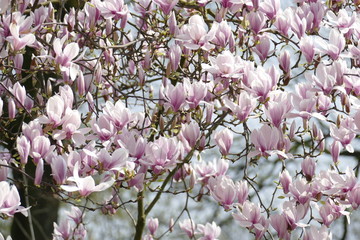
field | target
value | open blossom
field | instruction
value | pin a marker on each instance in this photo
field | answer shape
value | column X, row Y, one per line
column 225, row 65
column 194, row 34
column 270, row 8
column 188, row 226
column 55, row 108
column 17, row 42
column 190, row 134
column 301, row 190
column 209, row 231
column 344, row 133
column 175, row 96
column 116, row 9
column 265, row 139
column 85, row 186
column 118, row 114
column 223, row 190
column 250, row 217
column 335, row 45
column 162, row 154
column 40, row 148
column 243, row 105
column 277, row 108
column 261, row 82
column 195, row 92
column 223, row 35
column 342, row 21
column 205, row 170
column 280, row 224
column 10, row 200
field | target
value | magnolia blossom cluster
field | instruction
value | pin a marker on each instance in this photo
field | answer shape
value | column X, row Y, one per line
column 117, row 104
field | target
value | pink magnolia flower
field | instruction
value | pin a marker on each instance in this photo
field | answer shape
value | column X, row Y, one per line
column 225, row 65
column 118, row 161
column 63, row 230
column 250, row 216
column 71, row 123
column 10, row 200
column 194, row 35
column 280, row 224
column 118, row 114
column 39, row 172
column 223, row 35
column 335, row 184
column 308, row 167
column 243, row 106
column 277, row 108
column 166, row 5
column 55, row 108
column 175, row 96
column 11, row 108
column 20, row 93
column 115, row 9
column 23, row 147
column 282, row 23
column 307, row 47
column 261, row 82
column 85, row 185
column 265, row 140
column 262, row 48
column 298, row 24
column 242, row 190
column 335, row 45
column 205, row 170
column 103, row 127
column 17, row 42
column 152, row 224
column 344, row 133
column 293, row 213
column 188, row 226
column 173, row 27
column 301, row 190
column 40, row 148
column 284, row 61
column 224, row 140
column 285, row 180
column 257, row 21
column 162, row 154
column 174, row 57
column 59, row 169
column 342, row 21
column 32, row 130
column 195, row 92
column 331, row 211
column 354, row 197
column 65, row 56
column 189, row 134
column 209, row 231
column 223, row 190
column 270, row 8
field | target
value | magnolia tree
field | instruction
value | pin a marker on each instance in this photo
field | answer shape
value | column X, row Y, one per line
column 110, row 106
